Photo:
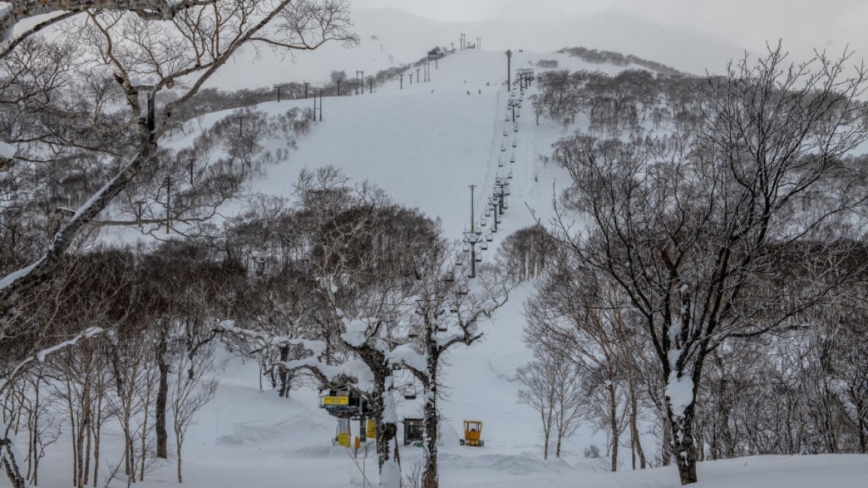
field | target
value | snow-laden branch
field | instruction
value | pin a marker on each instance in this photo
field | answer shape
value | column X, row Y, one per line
column 41, row 355
column 14, row 285
column 351, row 371
column 16, row 11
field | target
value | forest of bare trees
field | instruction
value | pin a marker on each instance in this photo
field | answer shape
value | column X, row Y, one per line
column 713, row 297
column 702, row 285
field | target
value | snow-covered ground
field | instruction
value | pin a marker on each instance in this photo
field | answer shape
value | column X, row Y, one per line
column 425, row 144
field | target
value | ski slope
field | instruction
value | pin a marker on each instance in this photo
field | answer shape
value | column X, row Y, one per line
column 425, row 144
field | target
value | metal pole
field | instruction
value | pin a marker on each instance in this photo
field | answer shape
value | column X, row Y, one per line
column 509, row 71
column 472, row 223
column 305, row 90
column 402, row 81
column 320, row 105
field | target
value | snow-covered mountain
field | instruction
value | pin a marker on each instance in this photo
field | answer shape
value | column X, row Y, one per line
column 391, row 37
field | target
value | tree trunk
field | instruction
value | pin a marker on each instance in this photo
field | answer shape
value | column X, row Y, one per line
column 613, row 414
column 682, row 444
column 634, row 423
column 558, row 451
column 430, row 475
column 162, row 397
column 10, row 465
column 180, row 478
column 667, row 442
column 284, row 375
column 386, row 415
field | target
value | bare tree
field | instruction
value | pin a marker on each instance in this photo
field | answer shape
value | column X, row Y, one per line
column 192, row 391
column 449, row 311
column 539, row 391
column 688, row 233
column 145, row 58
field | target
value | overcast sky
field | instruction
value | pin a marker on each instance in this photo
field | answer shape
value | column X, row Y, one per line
column 803, row 24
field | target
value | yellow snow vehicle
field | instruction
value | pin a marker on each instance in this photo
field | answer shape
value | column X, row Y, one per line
column 472, row 434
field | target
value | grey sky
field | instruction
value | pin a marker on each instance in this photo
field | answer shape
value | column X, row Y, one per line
column 803, row 24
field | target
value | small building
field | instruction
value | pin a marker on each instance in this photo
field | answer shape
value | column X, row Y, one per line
column 436, row 53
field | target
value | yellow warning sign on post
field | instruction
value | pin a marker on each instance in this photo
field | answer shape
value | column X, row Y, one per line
column 344, row 439
column 336, row 400
column 371, row 430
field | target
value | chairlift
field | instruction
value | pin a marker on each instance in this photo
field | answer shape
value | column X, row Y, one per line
column 441, row 328
column 484, row 246
column 506, row 119
column 483, row 224
column 487, row 213
column 509, row 175
column 410, row 395
column 514, row 143
column 515, row 129
column 512, row 158
column 466, row 248
column 478, row 260
column 458, row 262
column 499, row 163
column 489, row 238
column 502, row 147
column 505, row 133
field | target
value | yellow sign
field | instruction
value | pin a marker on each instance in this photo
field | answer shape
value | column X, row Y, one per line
column 336, row 400
column 371, row 429
column 344, row 439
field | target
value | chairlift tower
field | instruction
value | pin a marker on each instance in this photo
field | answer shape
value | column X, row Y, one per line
column 493, row 203
column 509, row 70
column 472, row 237
column 501, row 190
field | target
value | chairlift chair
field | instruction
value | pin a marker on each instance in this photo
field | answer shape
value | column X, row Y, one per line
column 489, row 238
column 502, row 147
column 515, row 129
column 499, row 163
column 484, row 246
column 514, row 143
column 512, row 158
